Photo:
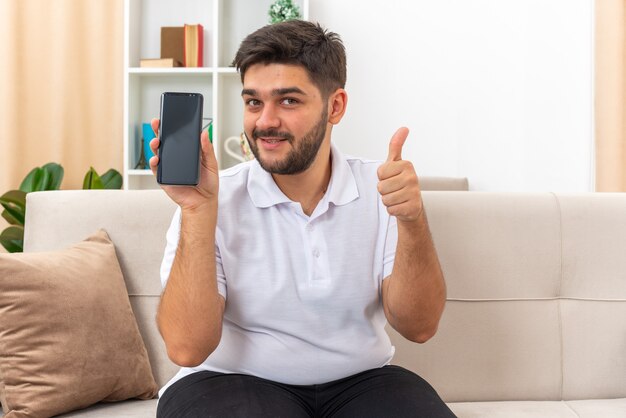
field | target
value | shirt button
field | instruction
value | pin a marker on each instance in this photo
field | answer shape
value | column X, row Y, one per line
column 310, row 228
column 316, row 253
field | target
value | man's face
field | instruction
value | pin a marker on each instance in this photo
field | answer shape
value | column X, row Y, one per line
column 285, row 117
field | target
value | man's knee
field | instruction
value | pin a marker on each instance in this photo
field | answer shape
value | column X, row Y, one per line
column 391, row 391
column 204, row 394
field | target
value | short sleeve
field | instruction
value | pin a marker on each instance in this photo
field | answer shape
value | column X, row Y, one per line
column 172, row 236
column 389, row 250
column 219, row 269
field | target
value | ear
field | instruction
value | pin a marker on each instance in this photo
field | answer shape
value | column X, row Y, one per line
column 337, row 103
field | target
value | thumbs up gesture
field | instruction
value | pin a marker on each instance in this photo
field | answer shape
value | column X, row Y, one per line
column 398, row 183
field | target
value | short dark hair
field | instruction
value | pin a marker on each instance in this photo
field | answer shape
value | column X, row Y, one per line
column 297, row 42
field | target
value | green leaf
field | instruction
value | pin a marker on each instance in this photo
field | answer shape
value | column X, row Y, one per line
column 112, row 179
column 31, row 180
column 56, row 176
column 16, row 197
column 12, row 238
column 48, row 177
column 14, row 203
column 45, row 178
column 15, row 214
column 92, row 180
column 10, row 218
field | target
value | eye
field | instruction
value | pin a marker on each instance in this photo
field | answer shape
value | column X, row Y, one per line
column 253, row 103
column 289, row 101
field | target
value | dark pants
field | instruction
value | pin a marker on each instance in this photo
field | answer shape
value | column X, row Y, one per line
column 390, row 391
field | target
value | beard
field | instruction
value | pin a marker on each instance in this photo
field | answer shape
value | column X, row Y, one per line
column 303, row 151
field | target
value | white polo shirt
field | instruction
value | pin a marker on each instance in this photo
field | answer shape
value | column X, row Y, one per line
column 303, row 293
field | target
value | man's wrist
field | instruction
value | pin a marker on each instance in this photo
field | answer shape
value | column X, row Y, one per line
column 207, row 207
column 415, row 225
column 200, row 219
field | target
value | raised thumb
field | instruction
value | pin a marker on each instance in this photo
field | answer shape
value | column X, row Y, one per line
column 396, row 144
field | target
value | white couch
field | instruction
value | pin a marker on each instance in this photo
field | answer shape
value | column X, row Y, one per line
column 534, row 326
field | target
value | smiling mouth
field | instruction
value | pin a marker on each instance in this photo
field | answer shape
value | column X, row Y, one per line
column 273, row 140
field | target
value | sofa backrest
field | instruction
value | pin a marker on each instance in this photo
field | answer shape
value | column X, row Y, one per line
column 431, row 183
column 536, row 286
column 536, row 297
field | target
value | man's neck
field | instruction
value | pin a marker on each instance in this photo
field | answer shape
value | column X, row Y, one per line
column 308, row 187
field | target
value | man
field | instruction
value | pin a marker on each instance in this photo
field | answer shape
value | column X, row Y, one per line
column 275, row 304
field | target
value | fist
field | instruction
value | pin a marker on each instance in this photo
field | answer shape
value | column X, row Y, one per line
column 398, row 184
column 208, row 187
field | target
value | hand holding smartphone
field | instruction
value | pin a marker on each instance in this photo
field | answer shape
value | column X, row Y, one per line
column 179, row 136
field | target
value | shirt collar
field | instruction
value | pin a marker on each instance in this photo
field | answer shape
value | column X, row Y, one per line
column 342, row 188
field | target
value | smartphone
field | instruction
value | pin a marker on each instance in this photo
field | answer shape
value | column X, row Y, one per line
column 179, row 135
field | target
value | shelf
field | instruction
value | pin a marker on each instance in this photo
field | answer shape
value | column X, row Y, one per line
column 171, row 71
column 182, row 71
column 226, row 70
column 146, row 172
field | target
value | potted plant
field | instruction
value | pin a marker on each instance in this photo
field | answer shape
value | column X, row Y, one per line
column 282, row 10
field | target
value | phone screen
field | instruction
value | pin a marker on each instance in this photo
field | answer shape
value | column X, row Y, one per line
column 179, row 134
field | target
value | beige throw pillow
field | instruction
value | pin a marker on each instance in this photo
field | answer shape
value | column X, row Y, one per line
column 68, row 335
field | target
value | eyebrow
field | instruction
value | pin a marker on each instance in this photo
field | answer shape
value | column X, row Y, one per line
column 275, row 92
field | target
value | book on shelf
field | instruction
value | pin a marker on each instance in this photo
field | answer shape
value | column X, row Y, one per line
column 173, row 43
column 159, row 62
column 194, row 35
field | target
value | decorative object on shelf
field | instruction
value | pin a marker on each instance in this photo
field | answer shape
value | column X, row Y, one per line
column 145, row 153
column 147, row 135
column 244, row 153
column 282, row 10
column 173, row 43
column 194, row 40
column 159, row 63
column 142, row 163
column 47, row 177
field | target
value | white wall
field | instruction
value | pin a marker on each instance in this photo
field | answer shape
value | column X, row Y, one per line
column 499, row 91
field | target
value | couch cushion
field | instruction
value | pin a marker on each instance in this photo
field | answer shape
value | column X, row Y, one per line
column 519, row 409
column 597, row 408
column 604, row 408
column 593, row 287
column 459, row 364
column 126, row 409
column 594, row 355
column 496, row 247
column 68, row 336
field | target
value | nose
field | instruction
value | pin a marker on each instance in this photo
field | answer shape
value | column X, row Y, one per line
column 268, row 119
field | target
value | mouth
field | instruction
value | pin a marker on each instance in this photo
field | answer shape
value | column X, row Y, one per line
column 271, row 143
column 273, row 140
